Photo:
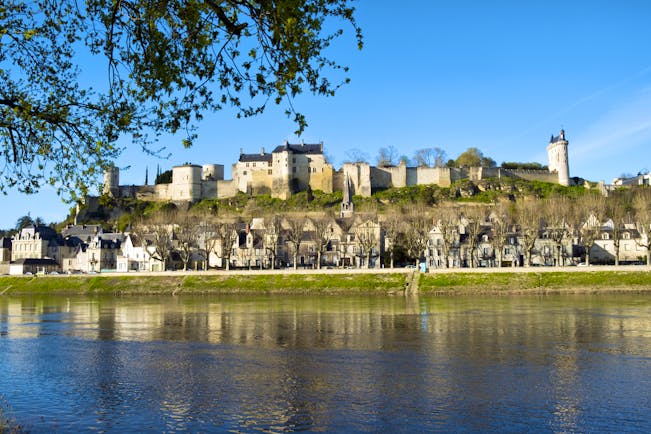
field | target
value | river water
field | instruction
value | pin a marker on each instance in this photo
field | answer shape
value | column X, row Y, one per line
column 337, row 364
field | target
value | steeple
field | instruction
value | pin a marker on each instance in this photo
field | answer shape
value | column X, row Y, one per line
column 347, row 207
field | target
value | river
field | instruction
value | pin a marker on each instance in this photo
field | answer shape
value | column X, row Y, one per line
column 570, row 363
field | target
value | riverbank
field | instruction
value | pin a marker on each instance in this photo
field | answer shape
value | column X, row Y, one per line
column 385, row 281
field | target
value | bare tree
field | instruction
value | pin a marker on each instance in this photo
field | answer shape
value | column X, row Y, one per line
column 161, row 233
column 322, row 231
column 387, row 156
column 430, row 157
column 590, row 213
column 391, row 226
column 557, row 213
column 642, row 207
column 418, row 223
column 367, row 239
column 273, row 227
column 187, row 237
column 528, row 218
column 294, row 236
column 501, row 221
column 617, row 209
column 475, row 218
column 226, row 235
column 447, row 222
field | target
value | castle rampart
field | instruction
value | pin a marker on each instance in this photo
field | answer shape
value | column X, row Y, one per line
column 291, row 168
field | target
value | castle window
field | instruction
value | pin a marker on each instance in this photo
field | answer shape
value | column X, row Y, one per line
column 268, row 163
column 269, row 172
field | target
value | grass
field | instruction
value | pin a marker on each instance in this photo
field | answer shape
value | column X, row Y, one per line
column 536, row 282
column 351, row 283
column 235, row 283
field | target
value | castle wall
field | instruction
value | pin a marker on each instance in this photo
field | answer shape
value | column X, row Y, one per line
column 323, row 179
column 529, row 175
column 359, row 175
column 226, row 189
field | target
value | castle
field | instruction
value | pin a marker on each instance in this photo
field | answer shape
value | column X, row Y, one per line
column 291, row 168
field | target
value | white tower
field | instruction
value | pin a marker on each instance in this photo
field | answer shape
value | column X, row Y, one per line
column 558, row 161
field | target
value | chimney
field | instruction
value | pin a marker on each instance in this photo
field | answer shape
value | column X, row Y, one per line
column 262, row 151
column 241, row 151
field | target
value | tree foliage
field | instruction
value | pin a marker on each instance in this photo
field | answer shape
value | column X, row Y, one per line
column 166, row 64
column 473, row 157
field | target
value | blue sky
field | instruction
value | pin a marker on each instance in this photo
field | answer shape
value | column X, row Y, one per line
column 502, row 76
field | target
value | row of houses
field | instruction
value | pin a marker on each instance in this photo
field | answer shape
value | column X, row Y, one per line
column 264, row 243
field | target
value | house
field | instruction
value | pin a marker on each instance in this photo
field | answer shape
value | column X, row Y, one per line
column 33, row 242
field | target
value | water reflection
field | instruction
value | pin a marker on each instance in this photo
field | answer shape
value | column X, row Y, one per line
column 572, row 363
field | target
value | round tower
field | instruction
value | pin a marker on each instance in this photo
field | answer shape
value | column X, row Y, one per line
column 112, row 181
column 558, row 159
column 186, row 182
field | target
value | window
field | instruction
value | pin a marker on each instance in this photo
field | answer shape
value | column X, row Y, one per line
column 244, row 173
column 294, row 160
column 269, row 172
column 627, row 236
column 247, row 164
column 605, row 236
column 254, row 164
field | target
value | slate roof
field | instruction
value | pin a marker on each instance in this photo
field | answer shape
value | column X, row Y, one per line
column 300, row 148
column 245, row 158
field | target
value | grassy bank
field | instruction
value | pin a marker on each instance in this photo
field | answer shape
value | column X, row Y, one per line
column 535, row 282
column 197, row 284
column 341, row 283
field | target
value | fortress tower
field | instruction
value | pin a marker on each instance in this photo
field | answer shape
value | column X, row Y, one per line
column 558, row 161
column 112, row 181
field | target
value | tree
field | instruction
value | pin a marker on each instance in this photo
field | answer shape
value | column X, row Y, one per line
column 226, row 234
column 367, row 238
column 501, row 220
column 430, row 157
column 322, row 231
column 294, row 236
column 618, row 210
column 473, row 157
column 474, row 219
column 416, row 230
column 590, row 212
column 161, row 232
column 387, row 156
column 557, row 213
column 447, row 223
column 167, row 64
column 187, row 236
column 528, row 218
column 642, row 207
column 24, row 222
column 391, row 226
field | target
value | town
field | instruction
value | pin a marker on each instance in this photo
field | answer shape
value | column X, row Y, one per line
column 602, row 225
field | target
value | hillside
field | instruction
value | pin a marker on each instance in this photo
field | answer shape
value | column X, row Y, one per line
column 117, row 214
